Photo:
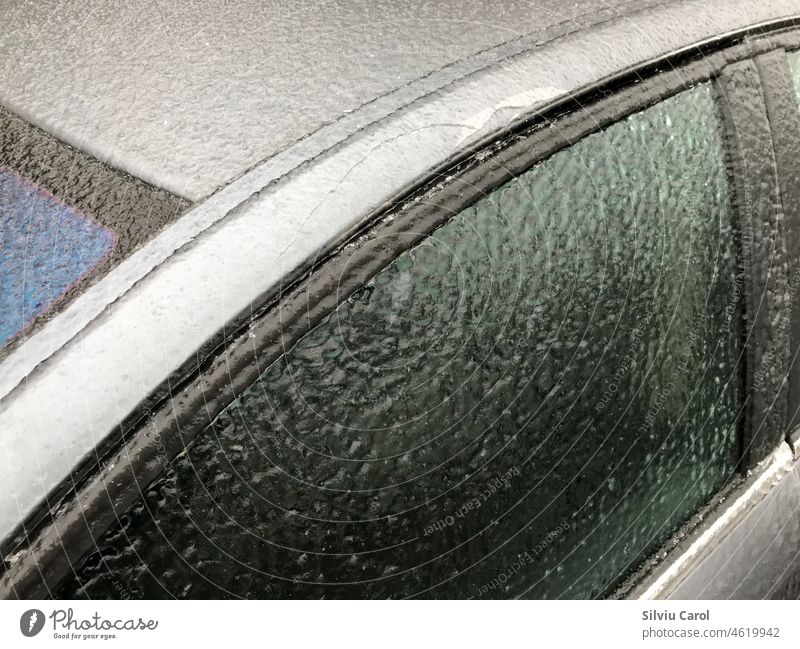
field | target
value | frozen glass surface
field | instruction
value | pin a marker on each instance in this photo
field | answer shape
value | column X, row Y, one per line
column 525, row 404
column 794, row 65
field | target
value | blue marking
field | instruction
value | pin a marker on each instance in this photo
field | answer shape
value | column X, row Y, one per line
column 46, row 248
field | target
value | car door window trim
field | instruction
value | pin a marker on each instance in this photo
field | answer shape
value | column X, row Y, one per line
column 784, row 120
column 762, row 258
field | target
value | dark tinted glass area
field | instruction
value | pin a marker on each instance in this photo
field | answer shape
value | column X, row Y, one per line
column 524, row 405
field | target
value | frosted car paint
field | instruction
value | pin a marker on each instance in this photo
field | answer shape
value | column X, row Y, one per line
column 190, row 97
column 448, row 99
column 347, row 159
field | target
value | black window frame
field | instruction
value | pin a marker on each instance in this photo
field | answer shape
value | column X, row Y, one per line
column 54, row 539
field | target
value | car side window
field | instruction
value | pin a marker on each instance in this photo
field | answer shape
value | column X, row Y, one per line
column 527, row 403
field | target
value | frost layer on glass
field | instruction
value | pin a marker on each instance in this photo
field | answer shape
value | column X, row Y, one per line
column 794, row 66
column 526, row 404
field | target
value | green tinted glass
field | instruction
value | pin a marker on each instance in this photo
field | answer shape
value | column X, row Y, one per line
column 525, row 404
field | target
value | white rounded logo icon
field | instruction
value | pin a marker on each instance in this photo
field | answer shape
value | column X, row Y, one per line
column 31, row 622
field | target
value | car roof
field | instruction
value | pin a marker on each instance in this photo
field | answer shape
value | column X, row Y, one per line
column 189, row 95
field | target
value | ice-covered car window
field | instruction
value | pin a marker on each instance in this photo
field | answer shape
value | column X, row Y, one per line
column 525, row 404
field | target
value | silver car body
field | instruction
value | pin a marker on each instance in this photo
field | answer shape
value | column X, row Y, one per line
column 284, row 154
